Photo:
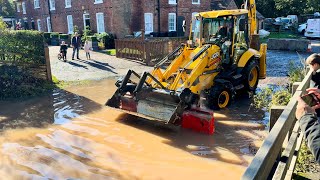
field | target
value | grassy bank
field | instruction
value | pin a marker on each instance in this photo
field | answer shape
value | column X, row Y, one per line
column 281, row 35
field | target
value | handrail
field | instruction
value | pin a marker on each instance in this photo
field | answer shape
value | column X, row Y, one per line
column 263, row 162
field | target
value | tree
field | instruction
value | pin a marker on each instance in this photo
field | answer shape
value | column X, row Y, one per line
column 7, row 8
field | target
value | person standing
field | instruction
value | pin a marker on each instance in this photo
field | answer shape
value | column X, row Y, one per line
column 76, row 43
column 314, row 63
column 87, row 49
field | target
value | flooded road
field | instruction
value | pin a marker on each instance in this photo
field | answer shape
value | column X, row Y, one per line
column 72, row 135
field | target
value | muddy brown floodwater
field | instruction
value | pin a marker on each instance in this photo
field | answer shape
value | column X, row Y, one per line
column 71, row 134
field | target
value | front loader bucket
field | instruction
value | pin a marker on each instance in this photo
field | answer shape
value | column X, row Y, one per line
column 140, row 99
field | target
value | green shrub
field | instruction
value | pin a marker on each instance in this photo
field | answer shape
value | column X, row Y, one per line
column 92, row 38
column 296, row 72
column 46, row 35
column 86, row 34
column 106, row 39
column 54, row 35
column 63, row 36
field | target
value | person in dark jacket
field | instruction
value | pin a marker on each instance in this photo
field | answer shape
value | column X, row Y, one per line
column 63, row 50
column 76, row 44
column 310, row 126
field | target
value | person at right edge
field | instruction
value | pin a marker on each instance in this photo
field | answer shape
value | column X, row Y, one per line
column 76, row 43
column 310, row 126
column 314, row 63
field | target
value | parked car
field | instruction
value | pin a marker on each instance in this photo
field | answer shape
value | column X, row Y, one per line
column 302, row 28
column 294, row 18
column 313, row 28
column 286, row 22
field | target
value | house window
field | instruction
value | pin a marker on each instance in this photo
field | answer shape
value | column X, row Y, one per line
column 172, row 22
column 39, row 24
column 86, row 21
column 68, row 3
column 36, row 4
column 195, row 1
column 24, row 8
column 172, row 1
column 148, row 23
column 49, row 24
column 100, row 23
column 70, row 24
column 52, row 5
column 98, row 1
column 193, row 20
column 18, row 7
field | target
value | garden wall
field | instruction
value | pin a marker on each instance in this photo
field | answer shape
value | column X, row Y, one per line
column 24, row 63
column 289, row 44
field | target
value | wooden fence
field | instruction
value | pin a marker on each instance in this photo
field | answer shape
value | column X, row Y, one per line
column 277, row 156
column 149, row 51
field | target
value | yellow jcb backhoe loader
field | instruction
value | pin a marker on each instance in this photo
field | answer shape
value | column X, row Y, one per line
column 205, row 74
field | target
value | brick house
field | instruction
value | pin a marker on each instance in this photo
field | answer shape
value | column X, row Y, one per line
column 119, row 17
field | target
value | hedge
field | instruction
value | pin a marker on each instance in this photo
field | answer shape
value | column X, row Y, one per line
column 64, row 36
column 54, row 35
column 22, row 64
column 92, row 38
column 27, row 45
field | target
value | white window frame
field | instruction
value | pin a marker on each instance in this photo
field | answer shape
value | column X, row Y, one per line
column 68, row 3
column 49, row 28
column 18, row 7
column 36, row 4
column 172, row 2
column 70, row 24
column 145, row 23
column 193, row 20
column 98, row 1
column 39, row 24
column 195, row 1
column 175, row 22
column 24, row 11
column 52, row 4
column 100, row 24
column 84, row 20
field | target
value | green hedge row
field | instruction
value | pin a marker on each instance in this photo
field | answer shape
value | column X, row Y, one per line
column 23, row 46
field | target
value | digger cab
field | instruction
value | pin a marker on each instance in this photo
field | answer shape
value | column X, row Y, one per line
column 229, row 32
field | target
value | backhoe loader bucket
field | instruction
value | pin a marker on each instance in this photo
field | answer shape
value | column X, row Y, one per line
column 140, row 99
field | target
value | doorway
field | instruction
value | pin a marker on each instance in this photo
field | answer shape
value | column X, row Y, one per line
column 86, row 21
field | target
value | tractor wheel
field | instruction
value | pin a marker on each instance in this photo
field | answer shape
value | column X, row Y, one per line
column 251, row 76
column 219, row 97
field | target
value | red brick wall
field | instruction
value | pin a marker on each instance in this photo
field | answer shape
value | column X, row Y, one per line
column 122, row 17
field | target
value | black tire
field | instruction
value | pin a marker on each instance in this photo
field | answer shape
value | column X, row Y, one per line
column 251, row 76
column 218, row 97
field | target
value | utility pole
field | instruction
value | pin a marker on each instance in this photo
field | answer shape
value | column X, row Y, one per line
column 49, row 16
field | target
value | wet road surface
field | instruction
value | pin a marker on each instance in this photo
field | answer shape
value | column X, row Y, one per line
column 80, row 138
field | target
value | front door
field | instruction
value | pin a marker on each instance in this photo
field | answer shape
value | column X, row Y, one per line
column 179, row 26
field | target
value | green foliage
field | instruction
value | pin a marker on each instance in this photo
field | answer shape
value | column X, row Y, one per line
column 46, row 34
column 106, row 39
column 305, row 161
column 111, row 52
column 24, row 45
column 17, row 83
column 270, row 96
column 92, row 38
column 3, row 25
column 63, row 36
column 86, row 34
column 7, row 8
column 281, row 98
column 54, row 35
column 296, row 73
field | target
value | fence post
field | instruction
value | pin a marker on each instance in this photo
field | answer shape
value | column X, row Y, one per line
column 275, row 113
column 47, row 57
column 295, row 86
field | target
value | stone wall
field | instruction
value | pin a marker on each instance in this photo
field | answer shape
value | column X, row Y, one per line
column 289, row 44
